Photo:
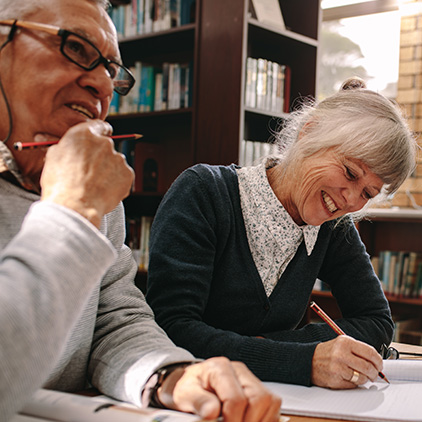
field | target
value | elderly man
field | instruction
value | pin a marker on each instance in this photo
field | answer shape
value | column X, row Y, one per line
column 70, row 315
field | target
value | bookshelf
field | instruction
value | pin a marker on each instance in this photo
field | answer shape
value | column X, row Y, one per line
column 217, row 43
column 392, row 229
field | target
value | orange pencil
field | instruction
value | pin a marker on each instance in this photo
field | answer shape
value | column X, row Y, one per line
column 25, row 145
column 336, row 328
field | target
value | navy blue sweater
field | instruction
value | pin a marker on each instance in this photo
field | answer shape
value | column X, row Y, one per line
column 207, row 295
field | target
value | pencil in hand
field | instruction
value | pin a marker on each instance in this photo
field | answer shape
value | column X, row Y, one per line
column 25, row 145
column 336, row 328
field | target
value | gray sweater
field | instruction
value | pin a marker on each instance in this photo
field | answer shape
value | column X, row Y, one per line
column 69, row 311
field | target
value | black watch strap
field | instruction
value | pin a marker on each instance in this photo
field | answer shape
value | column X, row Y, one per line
column 149, row 394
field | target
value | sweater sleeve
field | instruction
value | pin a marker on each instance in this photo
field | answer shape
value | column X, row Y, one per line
column 128, row 345
column 347, row 269
column 358, row 291
column 46, row 272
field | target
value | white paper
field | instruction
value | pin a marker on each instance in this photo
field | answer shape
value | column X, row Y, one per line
column 66, row 407
column 399, row 401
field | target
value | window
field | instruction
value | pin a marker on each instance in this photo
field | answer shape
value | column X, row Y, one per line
column 359, row 39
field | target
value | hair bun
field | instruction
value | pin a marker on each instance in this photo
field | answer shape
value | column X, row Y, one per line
column 353, row 83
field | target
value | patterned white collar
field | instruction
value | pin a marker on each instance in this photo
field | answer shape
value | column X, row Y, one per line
column 261, row 197
column 273, row 236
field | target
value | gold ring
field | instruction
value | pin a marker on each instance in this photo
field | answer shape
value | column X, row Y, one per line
column 355, row 377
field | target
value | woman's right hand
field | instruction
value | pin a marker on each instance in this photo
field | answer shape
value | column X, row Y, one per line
column 338, row 362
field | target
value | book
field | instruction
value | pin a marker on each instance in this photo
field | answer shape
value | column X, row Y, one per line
column 158, row 95
column 261, row 83
column 377, row 401
column 146, row 222
column 287, row 73
column 250, row 82
column 279, row 102
column 187, row 11
column 49, row 405
column 147, row 89
column 185, row 85
column 412, row 271
column 266, row 85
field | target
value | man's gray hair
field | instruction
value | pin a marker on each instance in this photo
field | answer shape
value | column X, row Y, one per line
column 24, row 9
column 21, row 9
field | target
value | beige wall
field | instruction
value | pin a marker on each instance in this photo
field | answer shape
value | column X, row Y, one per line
column 409, row 93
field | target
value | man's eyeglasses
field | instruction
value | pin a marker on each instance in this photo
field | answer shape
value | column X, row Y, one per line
column 82, row 52
column 392, row 353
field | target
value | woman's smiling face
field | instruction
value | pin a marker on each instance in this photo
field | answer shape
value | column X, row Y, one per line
column 326, row 186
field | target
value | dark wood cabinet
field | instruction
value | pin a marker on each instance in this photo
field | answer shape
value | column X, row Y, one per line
column 216, row 44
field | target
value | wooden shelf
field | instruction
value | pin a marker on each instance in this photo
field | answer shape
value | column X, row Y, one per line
column 400, row 307
column 217, row 46
column 392, row 229
column 392, row 299
column 395, row 214
column 285, row 33
column 155, row 47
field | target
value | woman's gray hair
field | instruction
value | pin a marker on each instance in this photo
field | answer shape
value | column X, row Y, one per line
column 361, row 124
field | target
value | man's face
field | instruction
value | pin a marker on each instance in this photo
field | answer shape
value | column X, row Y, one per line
column 47, row 93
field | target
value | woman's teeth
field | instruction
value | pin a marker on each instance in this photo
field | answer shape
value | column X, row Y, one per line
column 329, row 203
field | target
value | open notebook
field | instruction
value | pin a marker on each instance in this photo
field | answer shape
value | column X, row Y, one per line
column 400, row 401
column 48, row 405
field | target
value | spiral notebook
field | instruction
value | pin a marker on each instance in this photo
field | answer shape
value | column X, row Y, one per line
column 399, row 401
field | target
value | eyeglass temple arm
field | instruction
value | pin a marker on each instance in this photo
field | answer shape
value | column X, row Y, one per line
column 51, row 29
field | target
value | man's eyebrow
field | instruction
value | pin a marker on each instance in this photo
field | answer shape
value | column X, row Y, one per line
column 87, row 36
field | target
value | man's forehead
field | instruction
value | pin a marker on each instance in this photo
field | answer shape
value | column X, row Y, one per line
column 83, row 17
column 73, row 13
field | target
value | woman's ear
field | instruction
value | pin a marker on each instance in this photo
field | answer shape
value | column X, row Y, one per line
column 306, row 128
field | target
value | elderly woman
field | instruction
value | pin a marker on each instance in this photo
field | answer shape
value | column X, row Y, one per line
column 235, row 252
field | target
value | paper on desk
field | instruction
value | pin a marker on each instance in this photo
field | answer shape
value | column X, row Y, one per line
column 396, row 402
column 22, row 418
column 403, row 370
column 66, row 407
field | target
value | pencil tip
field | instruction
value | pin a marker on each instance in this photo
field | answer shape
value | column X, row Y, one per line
column 384, row 377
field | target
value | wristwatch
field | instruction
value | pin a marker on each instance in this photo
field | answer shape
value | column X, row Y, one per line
column 149, row 396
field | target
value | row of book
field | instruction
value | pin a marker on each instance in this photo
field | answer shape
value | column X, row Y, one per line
column 267, row 85
column 400, row 272
column 252, row 152
column 137, row 238
column 157, row 88
column 146, row 16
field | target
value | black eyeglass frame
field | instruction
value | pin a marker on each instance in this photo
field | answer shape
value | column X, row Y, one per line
column 64, row 34
column 392, row 353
